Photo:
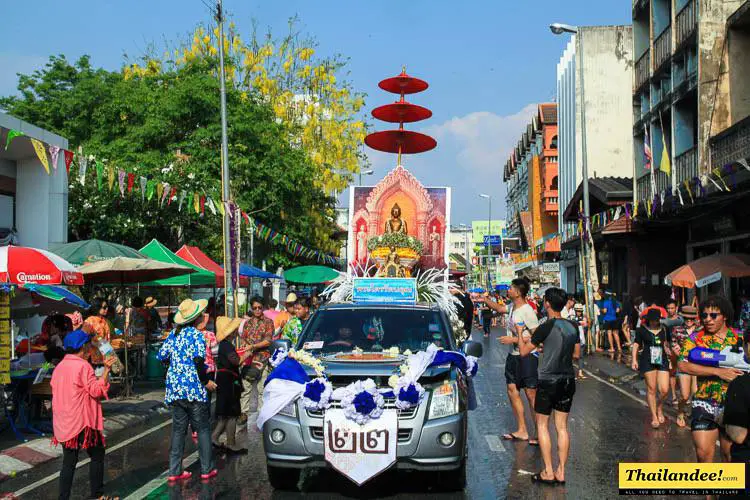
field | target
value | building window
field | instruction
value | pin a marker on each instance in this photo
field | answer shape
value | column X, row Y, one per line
column 553, row 143
column 553, row 185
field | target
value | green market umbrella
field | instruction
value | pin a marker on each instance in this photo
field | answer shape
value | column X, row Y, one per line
column 89, row 251
column 157, row 251
column 124, row 270
column 309, row 275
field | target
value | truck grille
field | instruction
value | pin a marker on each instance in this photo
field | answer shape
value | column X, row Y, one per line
column 389, row 404
column 404, row 435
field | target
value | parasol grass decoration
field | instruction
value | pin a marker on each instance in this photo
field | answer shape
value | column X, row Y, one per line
column 431, row 288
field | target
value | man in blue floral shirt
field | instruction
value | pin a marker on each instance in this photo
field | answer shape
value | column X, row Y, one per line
column 187, row 384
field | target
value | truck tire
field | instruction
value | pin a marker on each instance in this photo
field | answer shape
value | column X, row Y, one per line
column 282, row 478
column 453, row 480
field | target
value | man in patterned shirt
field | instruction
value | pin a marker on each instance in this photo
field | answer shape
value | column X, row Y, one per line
column 708, row 402
column 256, row 335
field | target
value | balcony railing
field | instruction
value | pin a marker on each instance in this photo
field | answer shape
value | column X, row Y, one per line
column 662, row 48
column 731, row 145
column 686, row 22
column 642, row 70
column 643, row 188
column 686, row 165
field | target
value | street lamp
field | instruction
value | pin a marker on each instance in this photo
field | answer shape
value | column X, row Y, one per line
column 558, row 29
column 489, row 231
column 364, row 172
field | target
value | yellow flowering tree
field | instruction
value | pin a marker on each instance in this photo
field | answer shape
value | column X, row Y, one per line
column 321, row 111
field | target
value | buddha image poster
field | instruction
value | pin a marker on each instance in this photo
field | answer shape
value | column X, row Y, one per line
column 398, row 225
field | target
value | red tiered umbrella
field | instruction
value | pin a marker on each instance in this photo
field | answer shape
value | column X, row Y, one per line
column 403, row 84
column 401, row 112
column 400, row 141
column 21, row 265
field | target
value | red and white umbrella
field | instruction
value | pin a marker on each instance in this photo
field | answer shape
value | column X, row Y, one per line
column 21, row 265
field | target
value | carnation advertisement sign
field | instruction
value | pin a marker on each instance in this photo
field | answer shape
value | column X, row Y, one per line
column 360, row 452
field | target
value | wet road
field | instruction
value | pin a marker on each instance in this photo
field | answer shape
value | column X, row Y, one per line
column 606, row 427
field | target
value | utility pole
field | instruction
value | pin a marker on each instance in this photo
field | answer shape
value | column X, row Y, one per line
column 489, row 237
column 229, row 298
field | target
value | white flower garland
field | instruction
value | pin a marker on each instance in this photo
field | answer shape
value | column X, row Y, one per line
column 361, row 389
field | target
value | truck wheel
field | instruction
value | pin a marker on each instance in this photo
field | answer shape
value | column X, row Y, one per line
column 453, row 480
column 282, row 478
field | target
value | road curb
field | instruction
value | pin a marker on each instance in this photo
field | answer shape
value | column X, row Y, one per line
column 26, row 456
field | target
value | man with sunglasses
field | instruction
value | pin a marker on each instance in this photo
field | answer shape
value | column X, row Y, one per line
column 256, row 334
column 708, row 402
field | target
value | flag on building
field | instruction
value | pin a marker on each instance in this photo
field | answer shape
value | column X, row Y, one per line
column 647, row 156
column 665, row 165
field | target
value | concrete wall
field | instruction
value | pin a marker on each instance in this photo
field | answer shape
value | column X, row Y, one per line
column 714, row 113
column 739, row 74
column 607, row 74
column 568, row 175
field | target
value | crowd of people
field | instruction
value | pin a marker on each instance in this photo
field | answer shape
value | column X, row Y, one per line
column 714, row 401
column 206, row 357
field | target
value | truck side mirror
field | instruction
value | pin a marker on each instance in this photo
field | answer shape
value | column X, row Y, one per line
column 281, row 344
column 472, row 348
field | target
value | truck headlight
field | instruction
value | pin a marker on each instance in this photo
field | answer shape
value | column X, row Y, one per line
column 289, row 410
column 444, row 401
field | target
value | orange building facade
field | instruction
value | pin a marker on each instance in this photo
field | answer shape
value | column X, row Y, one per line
column 535, row 158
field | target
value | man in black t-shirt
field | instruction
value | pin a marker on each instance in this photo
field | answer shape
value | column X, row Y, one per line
column 556, row 384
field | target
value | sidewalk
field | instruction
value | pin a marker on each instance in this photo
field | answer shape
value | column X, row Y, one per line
column 119, row 414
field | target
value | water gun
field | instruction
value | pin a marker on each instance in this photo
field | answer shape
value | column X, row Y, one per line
column 729, row 357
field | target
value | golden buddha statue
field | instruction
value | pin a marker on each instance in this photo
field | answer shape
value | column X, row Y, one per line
column 396, row 224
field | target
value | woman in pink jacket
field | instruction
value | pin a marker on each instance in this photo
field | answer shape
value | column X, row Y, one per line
column 77, row 412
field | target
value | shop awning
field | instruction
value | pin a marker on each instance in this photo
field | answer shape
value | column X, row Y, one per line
column 195, row 256
column 155, row 250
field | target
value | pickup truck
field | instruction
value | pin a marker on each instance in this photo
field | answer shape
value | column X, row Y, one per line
column 432, row 436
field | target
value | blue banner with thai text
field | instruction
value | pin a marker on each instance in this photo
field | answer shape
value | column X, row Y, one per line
column 385, row 290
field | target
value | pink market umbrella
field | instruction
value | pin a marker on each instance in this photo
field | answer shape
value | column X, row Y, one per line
column 20, row 265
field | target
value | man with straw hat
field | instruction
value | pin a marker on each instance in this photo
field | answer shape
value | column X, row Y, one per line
column 187, row 384
column 229, row 385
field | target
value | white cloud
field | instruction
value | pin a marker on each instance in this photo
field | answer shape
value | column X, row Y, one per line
column 12, row 63
column 484, row 139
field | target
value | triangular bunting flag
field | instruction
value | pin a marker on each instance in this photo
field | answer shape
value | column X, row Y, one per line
column 68, row 160
column 131, row 181
column 12, row 134
column 172, row 192
column 222, row 209
column 183, row 194
column 83, row 163
column 54, row 153
column 99, row 174
column 150, row 189
column 203, row 205
column 197, row 203
column 144, row 183
column 110, row 177
column 121, row 182
column 164, row 193
column 211, row 206
column 41, row 153
column 159, row 191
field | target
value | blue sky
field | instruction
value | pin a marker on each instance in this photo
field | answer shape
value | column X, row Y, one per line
column 488, row 62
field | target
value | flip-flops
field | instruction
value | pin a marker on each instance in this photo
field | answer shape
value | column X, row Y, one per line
column 537, row 478
column 512, row 437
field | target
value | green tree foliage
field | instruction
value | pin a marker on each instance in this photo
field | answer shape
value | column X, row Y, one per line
column 165, row 124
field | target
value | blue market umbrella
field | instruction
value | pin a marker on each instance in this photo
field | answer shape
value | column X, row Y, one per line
column 477, row 290
column 254, row 272
column 31, row 300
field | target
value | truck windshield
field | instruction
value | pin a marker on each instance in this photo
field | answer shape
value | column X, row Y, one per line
column 341, row 330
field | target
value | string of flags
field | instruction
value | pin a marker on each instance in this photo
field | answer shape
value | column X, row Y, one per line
column 154, row 190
